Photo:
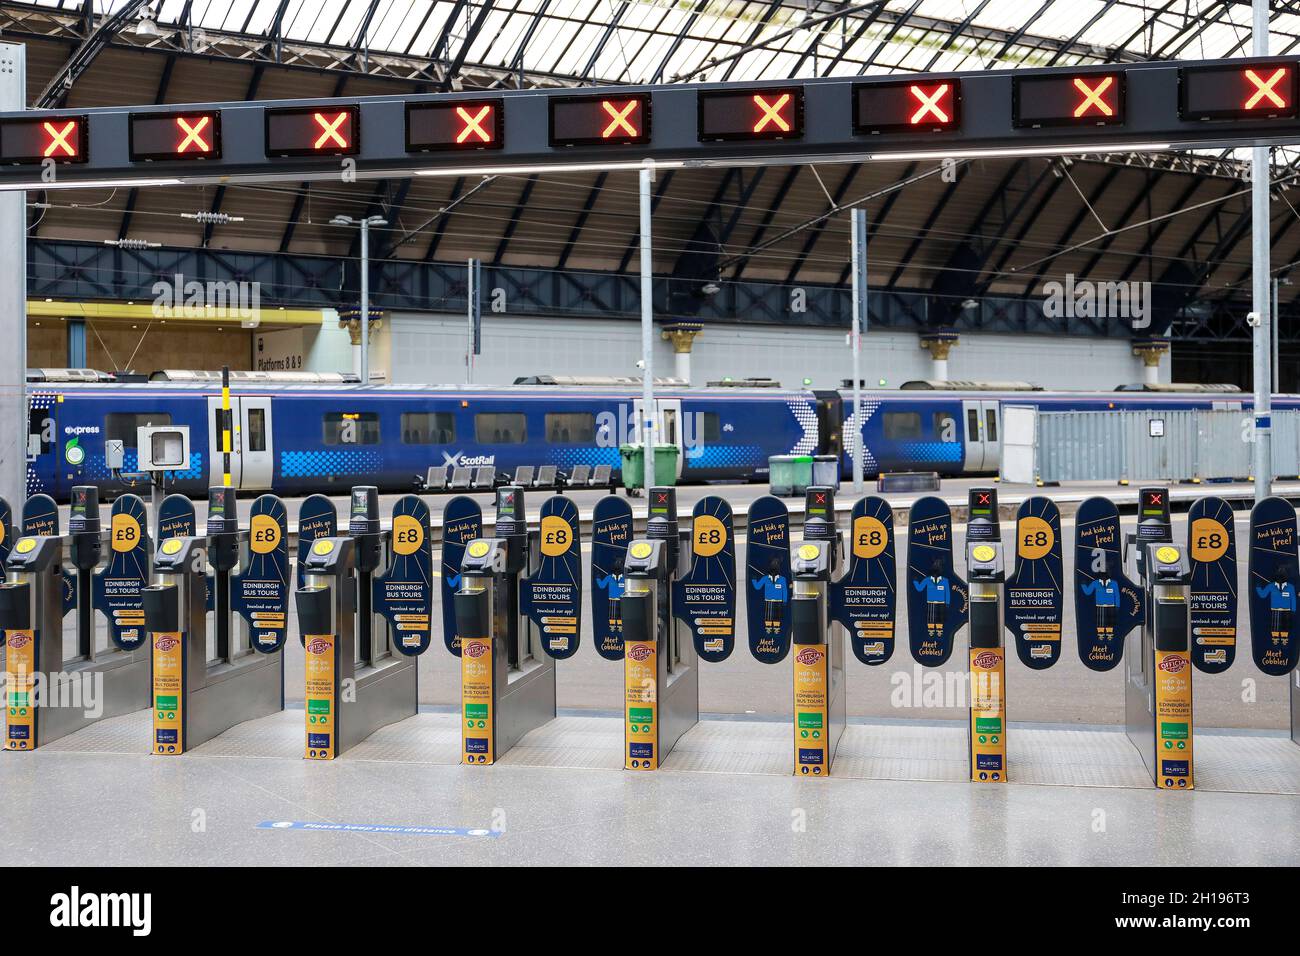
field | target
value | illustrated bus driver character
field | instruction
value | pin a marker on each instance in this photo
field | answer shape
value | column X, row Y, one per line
column 938, row 595
column 1105, row 594
column 1280, row 593
column 614, row 584
column 776, row 592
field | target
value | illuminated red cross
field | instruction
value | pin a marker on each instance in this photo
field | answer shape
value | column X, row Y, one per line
column 1264, row 88
column 473, row 124
column 193, row 134
column 662, row 498
column 1092, row 96
column 984, row 498
column 930, row 104
column 330, row 130
column 1155, row 498
column 772, row 113
column 820, row 498
column 59, row 138
column 618, row 120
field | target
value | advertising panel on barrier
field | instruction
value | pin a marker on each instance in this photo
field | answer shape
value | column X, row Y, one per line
column 611, row 533
column 938, row 601
column 1035, row 592
column 462, row 522
column 1212, row 553
column 403, row 594
column 261, row 590
column 118, row 585
column 705, row 599
column 1274, row 574
column 317, row 518
column 41, row 520
column 1107, row 605
column 865, row 599
column 767, row 571
column 6, row 530
column 551, row 597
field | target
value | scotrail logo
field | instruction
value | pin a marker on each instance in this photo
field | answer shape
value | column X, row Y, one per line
column 1071, row 299
column 461, row 460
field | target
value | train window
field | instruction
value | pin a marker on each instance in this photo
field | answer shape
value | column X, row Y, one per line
column 900, row 426
column 428, row 428
column 500, row 428
column 351, row 428
column 972, row 424
column 567, row 428
column 122, row 425
column 945, row 426
column 255, row 440
column 40, row 425
column 991, row 418
column 712, row 427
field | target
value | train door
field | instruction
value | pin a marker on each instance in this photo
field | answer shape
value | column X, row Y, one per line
column 983, row 435
column 251, row 453
column 669, row 425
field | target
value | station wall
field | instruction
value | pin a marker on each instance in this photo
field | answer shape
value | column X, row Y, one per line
column 114, row 347
column 430, row 348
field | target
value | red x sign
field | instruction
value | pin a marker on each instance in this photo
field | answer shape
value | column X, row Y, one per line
column 474, row 124
column 330, row 130
column 984, row 498
column 772, row 113
column 618, row 123
column 58, row 139
column 931, row 103
column 192, row 128
column 661, row 498
column 1094, row 96
column 1265, row 89
column 819, row 498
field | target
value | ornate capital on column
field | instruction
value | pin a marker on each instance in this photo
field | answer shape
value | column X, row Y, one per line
column 939, row 343
column 682, row 335
column 1150, row 351
column 350, row 319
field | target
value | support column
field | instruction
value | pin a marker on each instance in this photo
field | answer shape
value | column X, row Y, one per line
column 1260, row 251
column 1150, row 351
column 77, row 343
column 682, row 335
column 13, row 299
column 939, row 344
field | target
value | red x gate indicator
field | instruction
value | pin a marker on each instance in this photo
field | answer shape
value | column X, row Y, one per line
column 750, row 114
column 1241, row 91
column 158, row 136
column 313, row 131
column 1062, row 99
column 470, row 124
column 61, row 139
column 906, row 106
column 597, row 120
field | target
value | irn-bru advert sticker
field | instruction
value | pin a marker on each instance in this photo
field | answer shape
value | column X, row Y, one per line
column 1173, row 692
column 988, row 715
column 640, row 705
column 811, row 711
column 476, row 724
column 168, row 692
column 321, row 716
column 20, row 689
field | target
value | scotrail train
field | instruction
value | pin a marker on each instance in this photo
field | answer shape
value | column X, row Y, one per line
column 295, row 438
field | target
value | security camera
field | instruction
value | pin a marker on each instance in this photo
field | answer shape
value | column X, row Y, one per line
column 640, row 363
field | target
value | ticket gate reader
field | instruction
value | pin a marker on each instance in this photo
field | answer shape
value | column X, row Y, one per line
column 348, row 697
column 986, row 577
column 661, row 673
column 507, row 682
column 49, row 695
column 820, row 701
column 1158, row 689
column 820, row 524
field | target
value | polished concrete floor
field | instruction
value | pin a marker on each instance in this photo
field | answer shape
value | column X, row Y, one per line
column 724, row 796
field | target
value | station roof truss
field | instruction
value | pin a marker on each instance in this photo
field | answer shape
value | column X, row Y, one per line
column 1108, row 214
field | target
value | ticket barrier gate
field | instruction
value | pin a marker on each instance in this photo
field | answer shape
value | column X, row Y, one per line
column 820, row 701
column 354, row 683
column 661, row 673
column 985, row 572
column 50, row 695
column 199, row 692
column 1158, row 689
column 507, row 682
